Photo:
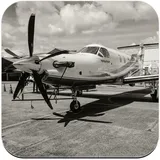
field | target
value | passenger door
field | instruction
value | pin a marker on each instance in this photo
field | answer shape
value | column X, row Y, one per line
column 105, row 58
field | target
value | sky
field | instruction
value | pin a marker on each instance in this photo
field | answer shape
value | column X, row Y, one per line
column 73, row 24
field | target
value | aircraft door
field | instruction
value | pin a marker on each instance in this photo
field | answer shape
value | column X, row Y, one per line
column 103, row 52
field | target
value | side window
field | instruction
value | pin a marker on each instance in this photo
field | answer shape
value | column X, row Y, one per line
column 120, row 58
column 105, row 52
column 124, row 59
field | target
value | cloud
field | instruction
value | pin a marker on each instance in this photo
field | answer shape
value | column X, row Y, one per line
column 57, row 18
column 127, row 10
column 152, row 39
column 77, row 18
column 60, row 20
column 7, row 37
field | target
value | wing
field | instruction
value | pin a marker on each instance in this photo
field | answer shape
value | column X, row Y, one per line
column 138, row 79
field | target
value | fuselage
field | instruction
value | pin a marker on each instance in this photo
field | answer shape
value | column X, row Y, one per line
column 93, row 64
column 90, row 68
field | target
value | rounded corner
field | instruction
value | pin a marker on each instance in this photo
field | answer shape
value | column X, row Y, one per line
column 7, row 9
column 147, row 3
column 148, row 154
column 7, row 150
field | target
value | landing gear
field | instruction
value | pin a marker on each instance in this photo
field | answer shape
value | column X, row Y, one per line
column 75, row 107
column 155, row 96
column 79, row 93
column 155, row 92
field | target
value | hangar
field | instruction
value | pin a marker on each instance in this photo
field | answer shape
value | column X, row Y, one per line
column 10, row 75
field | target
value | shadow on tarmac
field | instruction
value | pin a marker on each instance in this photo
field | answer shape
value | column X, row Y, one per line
column 99, row 107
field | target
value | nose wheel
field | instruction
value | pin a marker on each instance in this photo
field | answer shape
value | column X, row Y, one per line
column 75, row 106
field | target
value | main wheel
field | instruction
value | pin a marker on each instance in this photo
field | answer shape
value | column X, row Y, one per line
column 154, row 96
column 75, row 107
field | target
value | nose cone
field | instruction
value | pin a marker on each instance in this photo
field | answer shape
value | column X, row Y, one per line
column 27, row 65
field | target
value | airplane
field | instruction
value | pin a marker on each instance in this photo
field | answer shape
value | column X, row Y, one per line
column 94, row 64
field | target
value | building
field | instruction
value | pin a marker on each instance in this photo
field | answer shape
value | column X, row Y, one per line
column 151, row 56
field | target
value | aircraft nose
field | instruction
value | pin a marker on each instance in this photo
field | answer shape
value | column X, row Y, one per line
column 18, row 64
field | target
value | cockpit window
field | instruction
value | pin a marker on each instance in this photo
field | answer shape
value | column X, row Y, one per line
column 92, row 50
column 120, row 58
column 105, row 52
column 124, row 59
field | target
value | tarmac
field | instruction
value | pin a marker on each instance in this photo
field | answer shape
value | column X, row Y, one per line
column 116, row 121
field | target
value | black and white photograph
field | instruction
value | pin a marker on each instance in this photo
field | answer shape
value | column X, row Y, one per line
column 80, row 79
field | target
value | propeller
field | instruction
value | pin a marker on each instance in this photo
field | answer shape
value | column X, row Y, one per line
column 36, row 75
column 31, row 34
column 21, row 84
column 12, row 53
column 55, row 54
column 40, row 85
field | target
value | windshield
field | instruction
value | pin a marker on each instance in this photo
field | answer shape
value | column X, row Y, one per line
column 92, row 50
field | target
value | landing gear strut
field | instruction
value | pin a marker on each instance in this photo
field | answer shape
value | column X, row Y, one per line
column 79, row 93
column 75, row 106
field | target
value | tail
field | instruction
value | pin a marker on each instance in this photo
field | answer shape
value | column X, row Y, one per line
column 140, row 55
column 140, row 58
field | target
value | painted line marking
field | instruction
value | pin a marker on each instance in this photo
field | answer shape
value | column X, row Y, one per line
column 23, row 122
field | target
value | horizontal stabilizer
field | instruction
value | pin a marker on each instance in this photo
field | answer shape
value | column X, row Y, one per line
column 138, row 45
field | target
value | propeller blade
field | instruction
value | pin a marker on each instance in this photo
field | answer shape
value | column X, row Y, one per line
column 31, row 33
column 21, row 84
column 55, row 50
column 40, row 85
column 55, row 54
column 11, row 53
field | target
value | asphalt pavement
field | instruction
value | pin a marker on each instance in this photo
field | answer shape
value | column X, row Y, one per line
column 116, row 121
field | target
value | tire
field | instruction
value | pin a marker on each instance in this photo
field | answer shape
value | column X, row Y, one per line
column 75, row 107
column 154, row 96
